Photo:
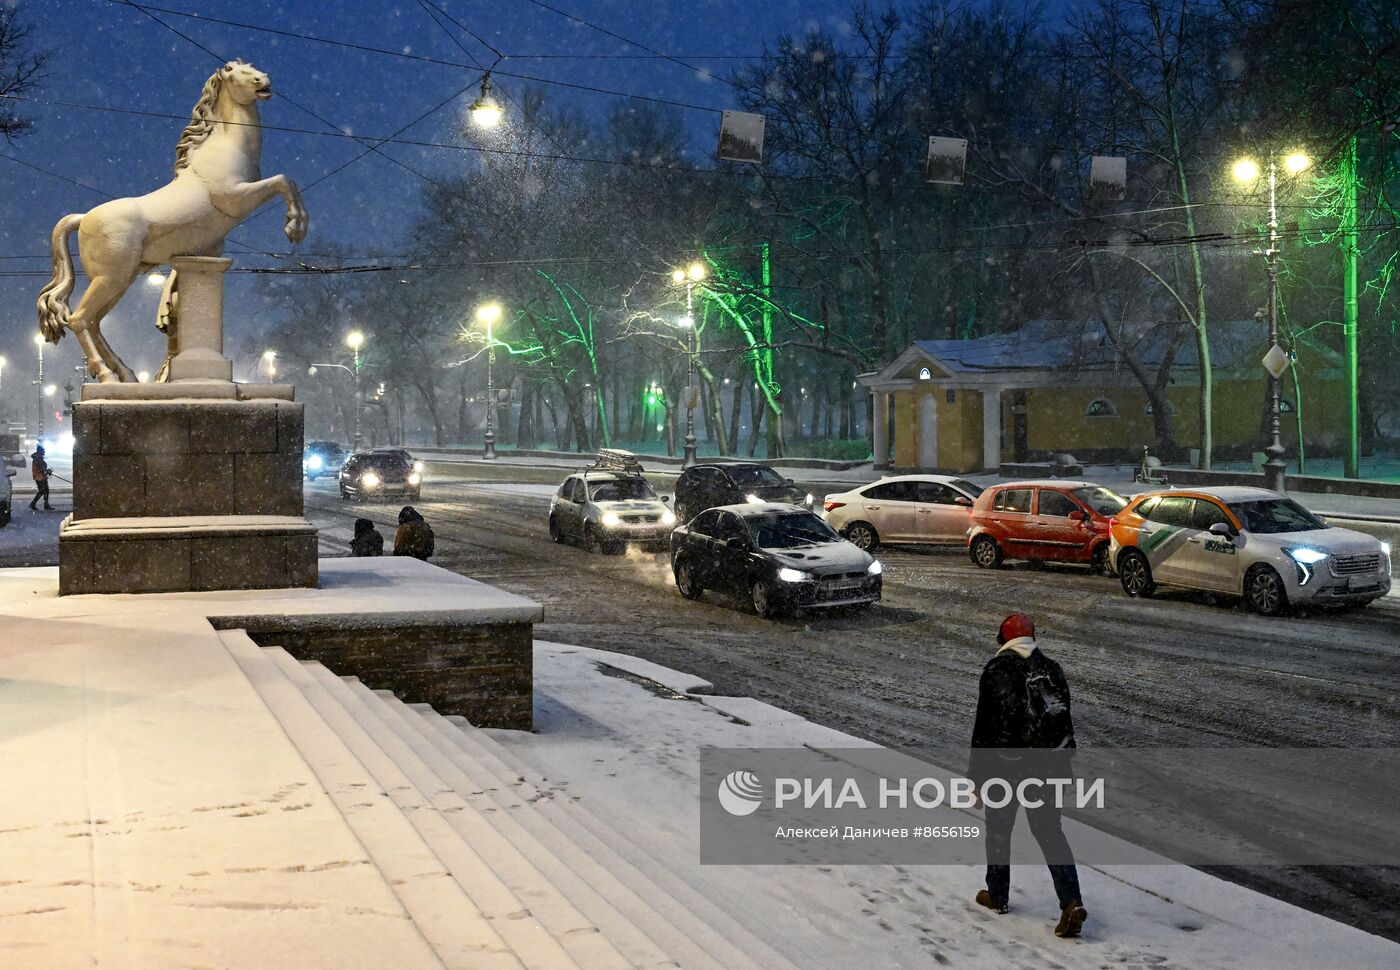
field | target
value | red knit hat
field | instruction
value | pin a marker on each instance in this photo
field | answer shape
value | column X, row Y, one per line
column 1015, row 625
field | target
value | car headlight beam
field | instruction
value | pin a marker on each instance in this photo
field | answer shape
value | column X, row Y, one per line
column 369, row 480
column 789, row 575
column 753, row 499
column 875, row 569
column 668, row 517
column 414, row 478
column 315, row 463
column 611, row 520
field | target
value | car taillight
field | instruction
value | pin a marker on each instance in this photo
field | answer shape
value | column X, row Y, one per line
column 832, row 506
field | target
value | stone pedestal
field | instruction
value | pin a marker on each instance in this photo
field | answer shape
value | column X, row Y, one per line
column 200, row 333
column 188, row 494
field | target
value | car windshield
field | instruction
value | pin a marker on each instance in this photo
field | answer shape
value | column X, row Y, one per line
column 1104, row 501
column 755, row 476
column 1274, row 515
column 785, row 530
column 963, row 485
column 385, row 463
column 621, row 490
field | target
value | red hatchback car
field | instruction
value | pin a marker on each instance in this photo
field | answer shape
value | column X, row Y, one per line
column 1053, row 521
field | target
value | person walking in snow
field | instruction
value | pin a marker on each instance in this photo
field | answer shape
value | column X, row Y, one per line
column 1023, row 702
column 39, row 468
column 367, row 541
column 415, row 536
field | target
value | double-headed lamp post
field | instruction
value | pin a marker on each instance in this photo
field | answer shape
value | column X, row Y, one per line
column 1246, row 171
column 688, row 277
column 488, row 315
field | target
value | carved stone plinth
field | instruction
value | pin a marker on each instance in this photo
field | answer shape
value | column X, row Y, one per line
column 186, row 495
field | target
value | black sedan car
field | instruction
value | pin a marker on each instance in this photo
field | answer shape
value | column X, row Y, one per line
column 716, row 483
column 380, row 474
column 783, row 558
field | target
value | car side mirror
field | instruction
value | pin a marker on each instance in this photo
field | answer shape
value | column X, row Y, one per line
column 666, row 499
column 736, row 543
column 964, row 501
column 1222, row 529
column 1078, row 516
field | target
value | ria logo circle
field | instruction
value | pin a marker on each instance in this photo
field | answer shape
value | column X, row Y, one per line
column 740, row 793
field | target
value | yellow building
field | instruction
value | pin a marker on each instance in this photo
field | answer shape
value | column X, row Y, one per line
column 1060, row 386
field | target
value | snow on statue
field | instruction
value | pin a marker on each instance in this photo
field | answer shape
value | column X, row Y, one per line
column 217, row 185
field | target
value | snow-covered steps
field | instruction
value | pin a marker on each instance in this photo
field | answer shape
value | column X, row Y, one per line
column 492, row 871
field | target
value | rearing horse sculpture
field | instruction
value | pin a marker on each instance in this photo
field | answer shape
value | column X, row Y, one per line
column 217, row 185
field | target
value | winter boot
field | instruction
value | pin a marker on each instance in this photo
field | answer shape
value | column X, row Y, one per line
column 1071, row 919
column 984, row 898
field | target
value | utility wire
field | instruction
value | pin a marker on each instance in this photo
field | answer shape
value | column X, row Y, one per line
column 293, row 102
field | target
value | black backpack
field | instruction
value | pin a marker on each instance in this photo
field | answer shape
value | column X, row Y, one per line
column 1048, row 723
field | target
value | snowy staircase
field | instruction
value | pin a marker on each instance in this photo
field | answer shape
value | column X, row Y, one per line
column 493, row 871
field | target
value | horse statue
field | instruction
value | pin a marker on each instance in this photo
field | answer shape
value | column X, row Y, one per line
column 217, row 185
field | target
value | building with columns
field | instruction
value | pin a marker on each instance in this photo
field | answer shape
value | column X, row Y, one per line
column 1061, row 386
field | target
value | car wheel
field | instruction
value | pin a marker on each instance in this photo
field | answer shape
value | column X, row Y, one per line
column 862, row 535
column 1135, row 573
column 555, row 533
column 985, row 552
column 1264, row 592
column 1098, row 559
column 687, row 582
column 761, row 595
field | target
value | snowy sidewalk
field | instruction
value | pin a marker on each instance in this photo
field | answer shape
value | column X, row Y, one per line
column 183, row 797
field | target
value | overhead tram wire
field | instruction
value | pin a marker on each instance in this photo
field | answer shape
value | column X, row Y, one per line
column 633, row 43
column 497, row 70
column 1214, row 241
column 292, row 101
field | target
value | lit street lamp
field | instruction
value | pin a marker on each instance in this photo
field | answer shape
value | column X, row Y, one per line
column 1247, row 171
column 688, row 277
column 2, row 373
column 354, row 340
column 488, row 314
column 269, row 365
column 485, row 110
column 39, row 383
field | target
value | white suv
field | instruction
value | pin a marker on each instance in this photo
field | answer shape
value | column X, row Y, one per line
column 1248, row 542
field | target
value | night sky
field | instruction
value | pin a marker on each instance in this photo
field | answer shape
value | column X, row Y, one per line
column 106, row 53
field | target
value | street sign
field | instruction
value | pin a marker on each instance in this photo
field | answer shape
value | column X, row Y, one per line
column 1275, row 361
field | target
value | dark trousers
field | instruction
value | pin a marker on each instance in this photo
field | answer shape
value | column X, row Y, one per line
column 42, row 492
column 1045, row 826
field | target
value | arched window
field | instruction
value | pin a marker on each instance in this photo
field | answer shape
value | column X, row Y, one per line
column 1101, row 407
column 925, row 374
column 1285, row 406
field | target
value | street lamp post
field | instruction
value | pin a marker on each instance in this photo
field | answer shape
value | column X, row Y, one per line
column 355, row 340
column 2, row 373
column 39, row 384
column 487, row 314
column 691, row 275
column 1246, row 170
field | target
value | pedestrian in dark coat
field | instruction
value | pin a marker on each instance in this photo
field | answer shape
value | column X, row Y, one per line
column 39, row 469
column 367, row 541
column 1023, row 702
column 415, row 536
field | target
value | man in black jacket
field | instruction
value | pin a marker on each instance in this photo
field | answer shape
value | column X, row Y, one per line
column 1023, row 703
